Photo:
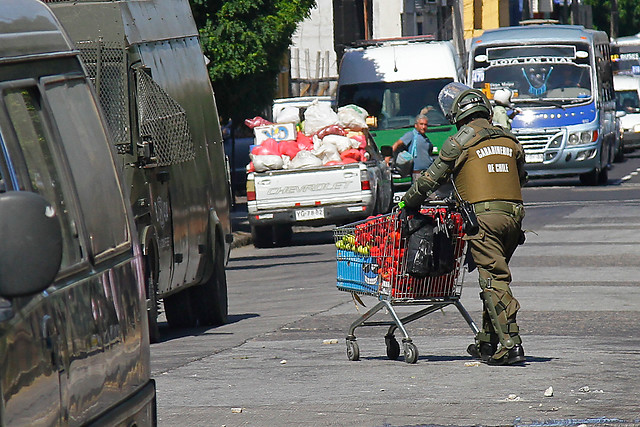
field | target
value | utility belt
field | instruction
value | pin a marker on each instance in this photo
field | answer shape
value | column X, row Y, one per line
column 514, row 209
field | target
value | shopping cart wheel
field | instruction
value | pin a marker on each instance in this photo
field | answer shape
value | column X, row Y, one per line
column 353, row 352
column 393, row 348
column 410, row 352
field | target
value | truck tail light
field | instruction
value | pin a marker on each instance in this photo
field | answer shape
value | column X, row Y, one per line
column 251, row 191
column 364, row 180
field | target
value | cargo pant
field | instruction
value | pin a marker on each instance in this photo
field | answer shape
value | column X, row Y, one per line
column 491, row 249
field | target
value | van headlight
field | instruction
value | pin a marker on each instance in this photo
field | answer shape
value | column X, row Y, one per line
column 636, row 128
column 581, row 138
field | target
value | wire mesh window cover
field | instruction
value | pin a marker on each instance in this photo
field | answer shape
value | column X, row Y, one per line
column 106, row 65
column 165, row 121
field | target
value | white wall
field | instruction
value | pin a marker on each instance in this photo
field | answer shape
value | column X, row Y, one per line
column 314, row 34
column 387, row 20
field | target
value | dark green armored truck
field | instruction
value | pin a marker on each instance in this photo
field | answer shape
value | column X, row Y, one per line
column 148, row 69
column 74, row 339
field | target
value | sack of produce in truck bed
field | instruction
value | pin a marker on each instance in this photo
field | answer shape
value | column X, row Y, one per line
column 287, row 115
column 318, row 116
column 266, row 162
column 353, row 117
column 305, row 159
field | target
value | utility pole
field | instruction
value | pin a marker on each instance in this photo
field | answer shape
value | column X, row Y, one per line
column 526, row 10
column 614, row 19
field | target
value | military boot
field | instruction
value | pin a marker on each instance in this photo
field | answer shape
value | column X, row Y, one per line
column 482, row 351
column 515, row 356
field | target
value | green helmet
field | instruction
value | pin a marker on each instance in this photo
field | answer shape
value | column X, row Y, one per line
column 459, row 101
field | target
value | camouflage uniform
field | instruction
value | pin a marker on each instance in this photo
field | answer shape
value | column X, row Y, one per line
column 487, row 167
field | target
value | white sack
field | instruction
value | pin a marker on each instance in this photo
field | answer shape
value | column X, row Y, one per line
column 265, row 162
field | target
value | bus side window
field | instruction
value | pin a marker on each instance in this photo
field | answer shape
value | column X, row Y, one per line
column 25, row 114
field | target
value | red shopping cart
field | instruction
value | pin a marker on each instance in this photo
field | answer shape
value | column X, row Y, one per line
column 372, row 259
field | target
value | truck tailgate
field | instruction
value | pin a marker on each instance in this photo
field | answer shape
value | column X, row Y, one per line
column 308, row 187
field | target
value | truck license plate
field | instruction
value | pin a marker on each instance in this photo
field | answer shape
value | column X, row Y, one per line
column 534, row 158
column 306, row 214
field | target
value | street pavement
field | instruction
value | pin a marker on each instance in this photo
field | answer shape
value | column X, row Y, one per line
column 282, row 362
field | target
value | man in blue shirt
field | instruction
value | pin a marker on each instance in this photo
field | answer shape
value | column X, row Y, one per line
column 418, row 144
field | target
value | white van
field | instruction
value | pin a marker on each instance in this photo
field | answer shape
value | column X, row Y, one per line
column 627, row 89
column 394, row 80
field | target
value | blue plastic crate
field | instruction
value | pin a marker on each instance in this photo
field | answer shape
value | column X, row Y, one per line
column 356, row 273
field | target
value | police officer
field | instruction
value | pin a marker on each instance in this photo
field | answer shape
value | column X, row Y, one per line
column 486, row 163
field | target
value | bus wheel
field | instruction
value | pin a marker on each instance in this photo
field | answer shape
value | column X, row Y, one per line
column 590, row 178
column 603, row 176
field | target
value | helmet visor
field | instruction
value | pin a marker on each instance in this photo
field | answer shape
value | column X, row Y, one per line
column 448, row 95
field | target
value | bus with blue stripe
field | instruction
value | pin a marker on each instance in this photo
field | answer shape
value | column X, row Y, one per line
column 562, row 85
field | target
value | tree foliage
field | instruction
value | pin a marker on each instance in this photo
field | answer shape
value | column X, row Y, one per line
column 246, row 42
column 628, row 12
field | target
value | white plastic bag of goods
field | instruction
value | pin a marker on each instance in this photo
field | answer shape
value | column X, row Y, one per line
column 353, row 117
column 327, row 152
column 305, row 159
column 266, row 162
column 342, row 143
column 318, row 116
column 287, row 115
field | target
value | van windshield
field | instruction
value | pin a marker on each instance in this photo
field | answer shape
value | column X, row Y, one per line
column 396, row 104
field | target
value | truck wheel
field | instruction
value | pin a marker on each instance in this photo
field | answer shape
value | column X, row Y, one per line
column 151, row 283
column 210, row 298
column 283, row 234
column 178, row 309
column 262, row 236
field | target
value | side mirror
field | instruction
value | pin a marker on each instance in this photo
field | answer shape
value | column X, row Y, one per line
column 620, row 113
column 30, row 244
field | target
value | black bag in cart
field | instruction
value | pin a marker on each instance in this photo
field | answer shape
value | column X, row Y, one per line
column 430, row 250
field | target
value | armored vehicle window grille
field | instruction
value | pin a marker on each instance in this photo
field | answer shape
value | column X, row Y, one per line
column 106, row 65
column 535, row 140
column 165, row 121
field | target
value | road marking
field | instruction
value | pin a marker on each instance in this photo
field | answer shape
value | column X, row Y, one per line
column 631, row 175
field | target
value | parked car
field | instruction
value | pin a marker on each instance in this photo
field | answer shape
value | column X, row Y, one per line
column 74, row 337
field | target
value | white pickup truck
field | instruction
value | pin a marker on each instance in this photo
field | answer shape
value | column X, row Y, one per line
column 280, row 199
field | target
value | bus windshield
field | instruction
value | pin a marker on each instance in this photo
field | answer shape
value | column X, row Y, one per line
column 396, row 104
column 535, row 74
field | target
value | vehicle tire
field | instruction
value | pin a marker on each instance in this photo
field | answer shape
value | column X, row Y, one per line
column 210, row 298
column 410, row 353
column 393, row 348
column 283, row 233
column 151, row 284
column 179, row 310
column 619, row 156
column 262, row 236
column 589, row 178
column 353, row 351
column 603, row 176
